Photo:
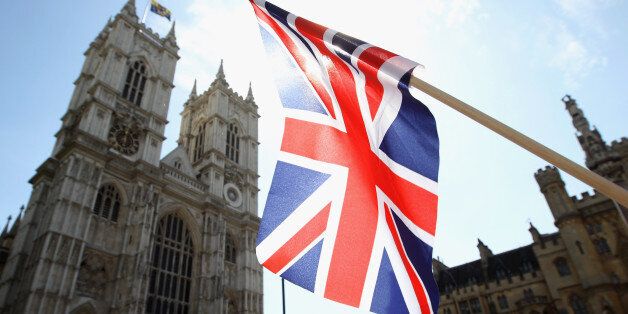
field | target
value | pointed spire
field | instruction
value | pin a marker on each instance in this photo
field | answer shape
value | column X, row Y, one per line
column 129, row 9
column 249, row 95
column 485, row 252
column 193, row 93
column 220, row 76
column 221, row 71
column 171, row 32
column 577, row 116
column 536, row 236
column 6, row 227
column 16, row 224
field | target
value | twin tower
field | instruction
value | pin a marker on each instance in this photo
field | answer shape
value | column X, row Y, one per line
column 110, row 226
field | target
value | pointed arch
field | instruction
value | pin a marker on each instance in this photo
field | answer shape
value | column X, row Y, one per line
column 135, row 82
column 231, row 248
column 109, row 201
column 232, row 142
column 199, row 141
column 171, row 267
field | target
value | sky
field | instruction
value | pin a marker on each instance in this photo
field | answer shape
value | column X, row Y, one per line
column 513, row 60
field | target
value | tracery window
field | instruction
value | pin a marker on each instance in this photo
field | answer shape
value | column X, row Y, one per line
column 578, row 305
column 232, row 149
column 107, row 203
column 562, row 267
column 135, row 83
column 230, row 249
column 170, row 268
column 601, row 246
column 199, row 144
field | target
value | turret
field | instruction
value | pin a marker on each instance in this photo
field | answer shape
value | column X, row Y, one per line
column 553, row 187
column 599, row 157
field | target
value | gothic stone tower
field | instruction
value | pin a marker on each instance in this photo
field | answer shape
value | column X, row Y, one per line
column 592, row 229
column 111, row 228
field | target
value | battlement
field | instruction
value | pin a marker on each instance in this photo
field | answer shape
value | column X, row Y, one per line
column 548, row 175
column 585, row 196
column 620, row 146
column 568, row 101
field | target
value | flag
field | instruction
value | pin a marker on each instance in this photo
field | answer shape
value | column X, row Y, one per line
column 159, row 9
column 351, row 211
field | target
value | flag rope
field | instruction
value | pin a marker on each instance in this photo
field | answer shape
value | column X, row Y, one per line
column 585, row 175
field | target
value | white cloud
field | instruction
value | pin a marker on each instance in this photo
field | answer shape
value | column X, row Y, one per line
column 461, row 10
column 573, row 58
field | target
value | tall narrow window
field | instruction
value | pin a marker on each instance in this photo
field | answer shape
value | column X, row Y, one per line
column 233, row 143
column 562, row 267
column 230, row 249
column 170, row 268
column 601, row 246
column 107, row 203
column 578, row 305
column 199, row 142
column 579, row 245
column 135, row 83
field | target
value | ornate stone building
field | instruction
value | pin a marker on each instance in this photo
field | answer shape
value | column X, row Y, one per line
column 112, row 228
column 582, row 268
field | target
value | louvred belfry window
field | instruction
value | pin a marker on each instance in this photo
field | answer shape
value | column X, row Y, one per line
column 233, row 143
column 170, row 268
column 135, row 83
column 107, row 203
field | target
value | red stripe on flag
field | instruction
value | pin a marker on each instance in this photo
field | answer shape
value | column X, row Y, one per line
column 414, row 278
column 312, row 230
column 369, row 63
column 300, row 57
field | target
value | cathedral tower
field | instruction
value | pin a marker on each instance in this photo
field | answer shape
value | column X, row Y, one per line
column 112, row 228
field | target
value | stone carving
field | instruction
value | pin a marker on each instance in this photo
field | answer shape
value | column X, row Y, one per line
column 94, row 272
column 233, row 175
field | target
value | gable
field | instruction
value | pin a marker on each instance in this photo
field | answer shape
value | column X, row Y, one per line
column 178, row 159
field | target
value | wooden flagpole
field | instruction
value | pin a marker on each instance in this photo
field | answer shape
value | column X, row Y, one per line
column 585, row 175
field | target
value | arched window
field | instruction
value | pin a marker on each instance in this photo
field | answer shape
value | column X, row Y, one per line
column 578, row 305
column 230, row 249
column 233, row 143
column 601, row 246
column 107, row 203
column 135, row 83
column 562, row 267
column 199, row 142
column 170, row 268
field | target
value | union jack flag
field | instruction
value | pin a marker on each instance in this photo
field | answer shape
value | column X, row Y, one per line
column 351, row 211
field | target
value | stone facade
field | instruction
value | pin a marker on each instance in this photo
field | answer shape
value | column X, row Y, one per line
column 582, row 268
column 112, row 228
